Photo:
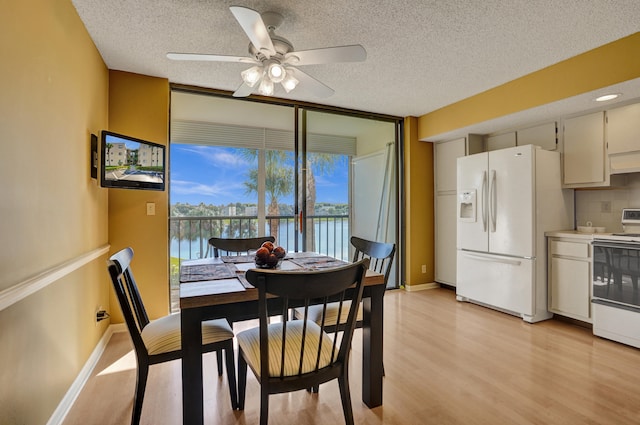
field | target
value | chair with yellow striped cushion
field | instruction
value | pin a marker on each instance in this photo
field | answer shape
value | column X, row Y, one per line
column 294, row 354
column 380, row 255
column 161, row 340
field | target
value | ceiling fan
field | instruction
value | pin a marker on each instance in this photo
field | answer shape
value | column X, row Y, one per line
column 273, row 59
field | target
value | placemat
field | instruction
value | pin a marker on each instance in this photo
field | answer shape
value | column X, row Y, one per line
column 199, row 272
column 318, row 262
column 238, row 258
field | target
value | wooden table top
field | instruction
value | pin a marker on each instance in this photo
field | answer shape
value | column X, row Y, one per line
column 227, row 290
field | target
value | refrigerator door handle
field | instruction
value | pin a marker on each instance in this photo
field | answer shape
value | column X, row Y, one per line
column 493, row 206
column 484, row 201
column 510, row 261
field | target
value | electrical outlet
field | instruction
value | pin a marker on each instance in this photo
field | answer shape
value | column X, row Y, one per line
column 605, row 206
column 424, row 268
column 100, row 315
column 151, row 208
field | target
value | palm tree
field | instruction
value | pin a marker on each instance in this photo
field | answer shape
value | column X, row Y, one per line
column 109, row 146
column 317, row 164
column 278, row 181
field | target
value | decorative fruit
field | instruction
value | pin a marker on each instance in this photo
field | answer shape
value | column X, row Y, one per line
column 272, row 260
column 262, row 254
column 279, row 252
column 268, row 245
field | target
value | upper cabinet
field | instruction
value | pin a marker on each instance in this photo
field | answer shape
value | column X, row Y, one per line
column 544, row 135
column 446, row 155
column 623, row 129
column 585, row 163
column 501, row 141
column 623, row 138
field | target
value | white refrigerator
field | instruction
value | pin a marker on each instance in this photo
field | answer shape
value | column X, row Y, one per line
column 506, row 200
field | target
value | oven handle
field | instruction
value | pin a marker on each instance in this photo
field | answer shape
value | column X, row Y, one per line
column 621, row 245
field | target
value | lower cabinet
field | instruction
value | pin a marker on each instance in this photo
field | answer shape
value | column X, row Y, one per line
column 569, row 277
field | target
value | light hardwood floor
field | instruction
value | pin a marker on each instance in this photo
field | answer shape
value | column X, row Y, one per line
column 445, row 362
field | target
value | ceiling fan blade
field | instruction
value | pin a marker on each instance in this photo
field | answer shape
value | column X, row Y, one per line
column 309, row 83
column 252, row 24
column 210, row 58
column 353, row 53
column 243, row 91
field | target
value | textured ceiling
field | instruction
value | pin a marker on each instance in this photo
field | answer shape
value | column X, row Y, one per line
column 422, row 55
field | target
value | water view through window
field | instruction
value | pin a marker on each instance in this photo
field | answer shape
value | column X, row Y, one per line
column 217, row 191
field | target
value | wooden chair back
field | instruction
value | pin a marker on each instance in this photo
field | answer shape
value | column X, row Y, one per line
column 380, row 255
column 295, row 288
column 237, row 246
column 124, row 284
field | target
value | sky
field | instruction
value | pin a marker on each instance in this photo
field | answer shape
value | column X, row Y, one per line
column 215, row 175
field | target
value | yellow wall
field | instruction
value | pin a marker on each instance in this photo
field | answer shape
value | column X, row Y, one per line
column 54, row 94
column 418, row 206
column 604, row 66
column 139, row 107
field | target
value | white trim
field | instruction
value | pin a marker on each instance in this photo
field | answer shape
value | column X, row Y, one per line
column 85, row 373
column 18, row 292
column 421, row 287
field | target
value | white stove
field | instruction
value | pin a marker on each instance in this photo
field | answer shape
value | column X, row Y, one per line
column 616, row 282
column 630, row 227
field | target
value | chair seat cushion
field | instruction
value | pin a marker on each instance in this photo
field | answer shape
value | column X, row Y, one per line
column 163, row 335
column 315, row 313
column 249, row 343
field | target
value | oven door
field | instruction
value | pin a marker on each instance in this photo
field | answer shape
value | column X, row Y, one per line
column 616, row 267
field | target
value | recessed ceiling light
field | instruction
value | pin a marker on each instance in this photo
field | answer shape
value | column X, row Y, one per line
column 606, row 97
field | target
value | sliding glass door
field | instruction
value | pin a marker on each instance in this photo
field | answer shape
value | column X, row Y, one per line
column 242, row 169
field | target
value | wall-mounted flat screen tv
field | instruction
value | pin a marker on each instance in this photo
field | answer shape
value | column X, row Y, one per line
column 130, row 163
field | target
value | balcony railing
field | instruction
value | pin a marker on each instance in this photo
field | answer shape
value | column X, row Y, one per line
column 189, row 236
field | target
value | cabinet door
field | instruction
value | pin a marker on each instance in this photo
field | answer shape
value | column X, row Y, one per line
column 507, row 140
column 446, row 239
column 570, row 286
column 541, row 135
column 446, row 155
column 623, row 129
column 584, row 153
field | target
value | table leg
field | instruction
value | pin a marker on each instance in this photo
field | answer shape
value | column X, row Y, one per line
column 372, row 365
column 191, row 327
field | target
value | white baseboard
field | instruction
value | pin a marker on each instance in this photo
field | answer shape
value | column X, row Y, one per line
column 421, row 287
column 76, row 387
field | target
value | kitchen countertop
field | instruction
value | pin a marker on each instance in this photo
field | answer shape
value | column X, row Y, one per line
column 574, row 234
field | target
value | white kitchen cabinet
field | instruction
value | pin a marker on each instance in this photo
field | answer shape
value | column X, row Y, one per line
column 569, row 277
column 623, row 129
column 501, row 141
column 445, row 254
column 585, row 163
column 446, row 155
column 543, row 135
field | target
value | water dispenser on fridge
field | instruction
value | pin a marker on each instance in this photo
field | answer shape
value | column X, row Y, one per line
column 467, row 205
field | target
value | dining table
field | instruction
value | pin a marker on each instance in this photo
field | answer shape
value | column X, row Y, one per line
column 213, row 288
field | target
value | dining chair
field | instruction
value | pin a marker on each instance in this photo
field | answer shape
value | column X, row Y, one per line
column 236, row 246
column 297, row 354
column 381, row 259
column 160, row 340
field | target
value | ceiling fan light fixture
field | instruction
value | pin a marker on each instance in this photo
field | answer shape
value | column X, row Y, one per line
column 266, row 87
column 252, row 75
column 276, row 72
column 289, row 83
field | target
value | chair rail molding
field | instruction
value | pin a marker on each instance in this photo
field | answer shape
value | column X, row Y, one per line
column 20, row 291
